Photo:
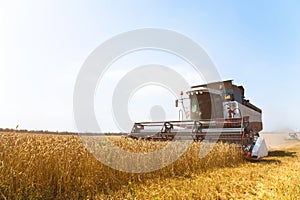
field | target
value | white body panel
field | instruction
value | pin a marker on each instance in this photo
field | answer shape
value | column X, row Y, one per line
column 260, row 148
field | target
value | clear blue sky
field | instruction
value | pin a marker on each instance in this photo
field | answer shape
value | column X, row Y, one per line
column 44, row 43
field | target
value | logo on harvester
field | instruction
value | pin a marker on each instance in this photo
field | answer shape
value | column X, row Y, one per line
column 181, row 132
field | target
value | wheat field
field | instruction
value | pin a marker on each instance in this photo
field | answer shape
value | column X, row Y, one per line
column 48, row 166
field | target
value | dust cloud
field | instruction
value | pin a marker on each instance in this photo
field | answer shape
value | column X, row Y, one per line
column 280, row 140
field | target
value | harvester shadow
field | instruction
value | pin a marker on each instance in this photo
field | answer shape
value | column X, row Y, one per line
column 272, row 155
column 268, row 161
column 279, row 153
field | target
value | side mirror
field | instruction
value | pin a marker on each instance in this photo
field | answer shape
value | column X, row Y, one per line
column 176, row 103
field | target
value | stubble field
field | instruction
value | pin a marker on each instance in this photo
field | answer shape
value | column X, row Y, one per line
column 48, row 166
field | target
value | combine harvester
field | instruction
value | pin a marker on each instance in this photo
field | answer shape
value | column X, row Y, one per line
column 218, row 112
column 294, row 136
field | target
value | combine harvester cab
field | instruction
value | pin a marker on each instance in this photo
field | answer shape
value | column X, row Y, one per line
column 218, row 112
